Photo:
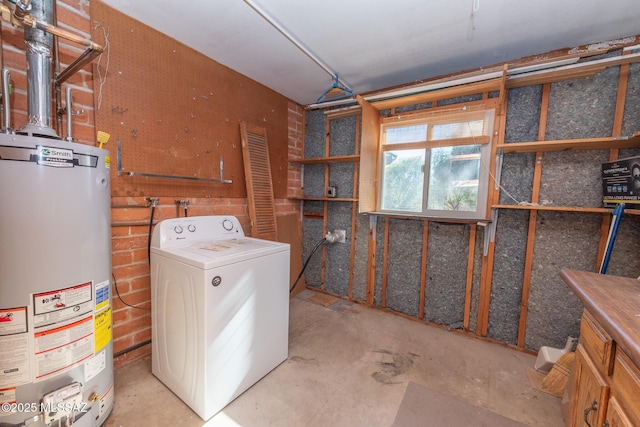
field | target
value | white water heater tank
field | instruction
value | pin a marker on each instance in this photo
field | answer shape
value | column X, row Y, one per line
column 56, row 351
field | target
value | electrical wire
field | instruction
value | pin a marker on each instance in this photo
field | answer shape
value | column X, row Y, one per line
column 495, row 181
column 324, row 239
column 101, row 78
column 115, row 286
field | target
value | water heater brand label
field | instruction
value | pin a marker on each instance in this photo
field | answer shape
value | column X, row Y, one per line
column 57, row 157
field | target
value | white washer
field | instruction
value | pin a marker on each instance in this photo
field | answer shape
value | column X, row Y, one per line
column 220, row 309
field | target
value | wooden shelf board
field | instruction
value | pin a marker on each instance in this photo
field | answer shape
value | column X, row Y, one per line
column 314, row 214
column 571, row 144
column 554, row 208
column 325, row 199
column 334, row 159
column 565, row 209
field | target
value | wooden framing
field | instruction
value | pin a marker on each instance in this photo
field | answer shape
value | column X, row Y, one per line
column 451, row 92
column 533, row 216
column 623, row 81
column 354, row 206
column 367, row 188
column 371, row 259
column 365, row 183
column 469, row 286
column 385, row 260
column 572, row 144
column 423, row 269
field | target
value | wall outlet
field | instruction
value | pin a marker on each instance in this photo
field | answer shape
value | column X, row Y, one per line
column 332, row 191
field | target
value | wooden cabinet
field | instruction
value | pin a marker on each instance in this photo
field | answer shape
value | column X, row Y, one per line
column 589, row 390
column 616, row 416
column 625, row 383
column 604, row 386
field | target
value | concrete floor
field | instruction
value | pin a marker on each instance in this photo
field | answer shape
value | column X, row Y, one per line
column 349, row 365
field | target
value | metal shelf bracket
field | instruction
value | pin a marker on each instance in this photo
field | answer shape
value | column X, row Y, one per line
column 121, row 171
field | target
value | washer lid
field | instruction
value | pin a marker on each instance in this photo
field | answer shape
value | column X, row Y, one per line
column 207, row 254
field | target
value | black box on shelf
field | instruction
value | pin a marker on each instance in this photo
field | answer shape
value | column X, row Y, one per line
column 621, row 182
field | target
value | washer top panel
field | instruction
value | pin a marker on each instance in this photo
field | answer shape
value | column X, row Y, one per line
column 207, row 242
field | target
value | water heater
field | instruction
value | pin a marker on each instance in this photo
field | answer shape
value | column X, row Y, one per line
column 56, row 355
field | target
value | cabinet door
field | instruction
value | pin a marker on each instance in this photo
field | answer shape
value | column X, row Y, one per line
column 591, row 393
column 616, row 416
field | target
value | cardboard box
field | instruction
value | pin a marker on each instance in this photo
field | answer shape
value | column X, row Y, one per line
column 621, row 182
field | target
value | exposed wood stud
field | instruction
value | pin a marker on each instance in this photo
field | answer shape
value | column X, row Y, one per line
column 371, row 258
column 423, row 269
column 469, row 287
column 623, row 80
column 486, row 274
column 385, row 260
column 354, row 205
column 325, row 203
column 533, row 216
column 503, row 91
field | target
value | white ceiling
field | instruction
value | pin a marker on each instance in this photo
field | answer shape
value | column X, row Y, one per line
column 375, row 44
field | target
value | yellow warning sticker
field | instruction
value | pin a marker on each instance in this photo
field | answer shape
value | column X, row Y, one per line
column 107, row 162
column 102, row 329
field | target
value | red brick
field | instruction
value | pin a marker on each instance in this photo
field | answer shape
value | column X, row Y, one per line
column 131, row 214
column 128, row 243
column 142, row 335
column 131, row 326
column 122, row 343
column 121, row 258
column 120, row 316
column 141, row 283
column 131, row 270
column 123, row 286
column 73, row 18
column 141, row 299
column 119, row 231
column 140, row 255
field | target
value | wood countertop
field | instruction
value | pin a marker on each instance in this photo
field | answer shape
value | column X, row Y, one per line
column 614, row 302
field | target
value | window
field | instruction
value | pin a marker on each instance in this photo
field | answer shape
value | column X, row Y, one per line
column 436, row 164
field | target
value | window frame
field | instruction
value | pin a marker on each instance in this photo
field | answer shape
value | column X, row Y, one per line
column 445, row 115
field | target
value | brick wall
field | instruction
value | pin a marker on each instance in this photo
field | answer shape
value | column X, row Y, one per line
column 296, row 138
column 130, row 233
column 130, row 225
column 73, row 16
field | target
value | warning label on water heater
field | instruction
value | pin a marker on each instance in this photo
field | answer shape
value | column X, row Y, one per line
column 57, row 157
column 61, row 305
column 61, row 348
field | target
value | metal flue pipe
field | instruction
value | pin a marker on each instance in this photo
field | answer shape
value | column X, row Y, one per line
column 37, row 17
column 38, row 46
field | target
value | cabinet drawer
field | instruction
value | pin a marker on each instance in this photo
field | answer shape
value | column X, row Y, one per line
column 597, row 343
column 625, row 384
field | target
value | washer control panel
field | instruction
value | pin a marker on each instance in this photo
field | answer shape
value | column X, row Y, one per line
column 178, row 231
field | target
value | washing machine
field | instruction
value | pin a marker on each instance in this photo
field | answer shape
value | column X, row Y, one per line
column 220, row 309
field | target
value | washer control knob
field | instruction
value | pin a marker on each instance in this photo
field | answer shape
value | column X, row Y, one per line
column 227, row 225
column 191, row 228
column 178, row 229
